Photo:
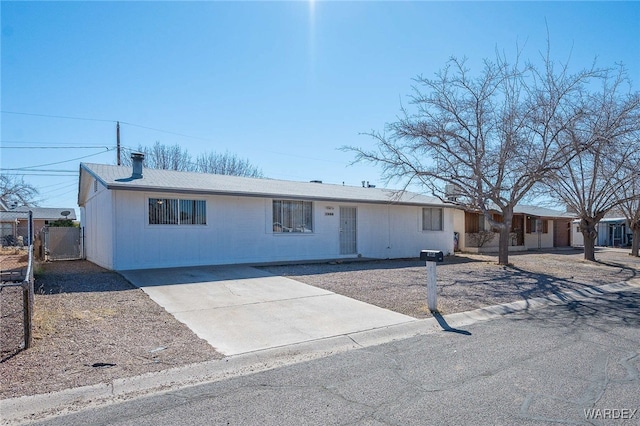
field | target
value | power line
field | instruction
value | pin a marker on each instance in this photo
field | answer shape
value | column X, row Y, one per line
column 59, row 184
column 106, row 121
column 57, row 116
column 166, row 131
column 65, row 188
column 83, row 142
column 39, row 174
column 54, row 147
column 59, row 162
column 70, row 191
column 27, row 169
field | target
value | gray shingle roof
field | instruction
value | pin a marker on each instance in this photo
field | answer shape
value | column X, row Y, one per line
column 541, row 211
column 119, row 177
column 42, row 213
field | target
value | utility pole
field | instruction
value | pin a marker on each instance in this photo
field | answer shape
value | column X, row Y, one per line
column 118, row 141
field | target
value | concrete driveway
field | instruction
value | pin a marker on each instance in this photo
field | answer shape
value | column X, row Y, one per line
column 240, row 309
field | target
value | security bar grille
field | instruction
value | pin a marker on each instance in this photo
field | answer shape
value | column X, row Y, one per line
column 168, row 211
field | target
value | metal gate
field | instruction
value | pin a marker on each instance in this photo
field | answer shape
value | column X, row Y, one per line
column 62, row 243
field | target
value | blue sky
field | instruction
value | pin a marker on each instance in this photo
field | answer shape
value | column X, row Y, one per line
column 284, row 84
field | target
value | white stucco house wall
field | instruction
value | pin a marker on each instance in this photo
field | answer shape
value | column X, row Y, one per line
column 532, row 228
column 161, row 218
column 612, row 232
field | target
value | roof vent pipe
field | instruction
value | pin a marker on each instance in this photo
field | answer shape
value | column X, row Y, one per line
column 136, row 160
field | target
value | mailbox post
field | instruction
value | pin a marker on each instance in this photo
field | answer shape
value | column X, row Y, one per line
column 431, row 258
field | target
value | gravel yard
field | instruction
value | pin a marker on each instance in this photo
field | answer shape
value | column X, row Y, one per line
column 465, row 281
column 92, row 325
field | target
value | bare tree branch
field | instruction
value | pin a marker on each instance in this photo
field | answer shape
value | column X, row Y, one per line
column 15, row 191
column 494, row 134
column 598, row 178
column 174, row 157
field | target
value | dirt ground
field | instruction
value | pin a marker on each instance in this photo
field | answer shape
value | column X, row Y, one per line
column 13, row 264
column 91, row 325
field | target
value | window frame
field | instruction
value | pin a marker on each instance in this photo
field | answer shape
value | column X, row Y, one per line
column 430, row 228
column 536, row 224
column 473, row 222
column 175, row 216
column 290, row 221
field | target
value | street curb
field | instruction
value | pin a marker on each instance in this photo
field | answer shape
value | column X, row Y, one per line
column 34, row 407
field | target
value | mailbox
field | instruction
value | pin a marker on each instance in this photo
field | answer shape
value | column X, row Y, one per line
column 431, row 255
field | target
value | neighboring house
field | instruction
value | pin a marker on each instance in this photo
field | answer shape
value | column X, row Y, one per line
column 531, row 228
column 14, row 222
column 612, row 232
column 134, row 218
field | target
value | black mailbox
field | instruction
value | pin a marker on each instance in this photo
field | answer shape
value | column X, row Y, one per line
column 431, row 255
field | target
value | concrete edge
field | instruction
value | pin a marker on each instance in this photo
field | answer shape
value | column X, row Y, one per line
column 35, row 407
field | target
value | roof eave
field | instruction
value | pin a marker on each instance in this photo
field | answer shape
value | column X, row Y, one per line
column 162, row 189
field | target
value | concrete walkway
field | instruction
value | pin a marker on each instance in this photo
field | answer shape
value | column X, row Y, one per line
column 240, row 309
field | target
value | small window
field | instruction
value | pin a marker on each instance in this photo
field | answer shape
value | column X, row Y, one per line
column 169, row 211
column 531, row 225
column 431, row 219
column 292, row 216
column 474, row 223
column 535, row 225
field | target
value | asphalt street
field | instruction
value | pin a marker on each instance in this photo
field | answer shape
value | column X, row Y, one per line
column 577, row 363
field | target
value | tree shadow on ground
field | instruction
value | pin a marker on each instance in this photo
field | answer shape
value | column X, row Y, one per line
column 631, row 270
column 511, row 283
column 601, row 311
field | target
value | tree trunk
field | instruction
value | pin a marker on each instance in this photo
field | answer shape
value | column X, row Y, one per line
column 589, row 234
column 635, row 244
column 503, row 248
column 505, row 236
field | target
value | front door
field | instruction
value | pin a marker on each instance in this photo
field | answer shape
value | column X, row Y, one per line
column 348, row 230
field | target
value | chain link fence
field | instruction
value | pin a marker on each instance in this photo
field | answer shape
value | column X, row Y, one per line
column 14, row 229
column 16, row 290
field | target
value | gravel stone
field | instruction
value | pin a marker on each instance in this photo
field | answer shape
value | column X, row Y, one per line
column 91, row 325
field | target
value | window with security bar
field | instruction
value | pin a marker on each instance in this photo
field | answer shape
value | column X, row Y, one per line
column 292, row 216
column 171, row 211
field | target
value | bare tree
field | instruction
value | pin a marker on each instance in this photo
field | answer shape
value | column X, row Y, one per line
column 226, row 164
column 14, row 190
column 630, row 206
column 491, row 135
column 631, row 210
column 165, row 157
column 174, row 157
column 598, row 178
